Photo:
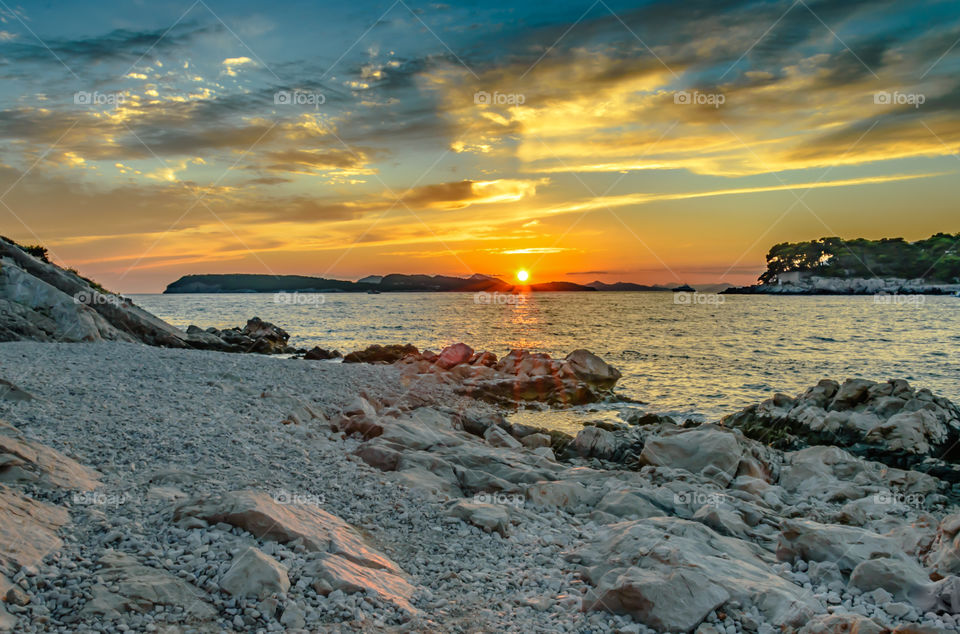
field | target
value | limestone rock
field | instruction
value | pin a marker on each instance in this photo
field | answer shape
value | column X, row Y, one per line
column 47, row 303
column 499, row 438
column 846, row 546
column 891, row 422
column 381, row 354
column 592, row 369
column 677, row 600
column 562, row 494
column 259, row 514
column 708, row 450
column 594, row 442
column 10, row 392
column 663, row 546
column 454, row 355
column 255, row 574
column 28, row 530
column 342, row 574
column 319, row 354
column 944, row 555
column 489, row 517
column 24, row 460
column 842, row 624
column 141, row 588
column 905, row 580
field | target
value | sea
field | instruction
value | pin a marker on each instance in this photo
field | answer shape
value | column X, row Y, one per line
column 689, row 355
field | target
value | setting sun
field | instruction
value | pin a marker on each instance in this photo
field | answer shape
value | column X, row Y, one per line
column 523, row 276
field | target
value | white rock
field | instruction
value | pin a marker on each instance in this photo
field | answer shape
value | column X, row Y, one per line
column 254, row 574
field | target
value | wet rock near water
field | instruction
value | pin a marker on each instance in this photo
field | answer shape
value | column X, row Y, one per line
column 519, row 377
column 891, row 422
column 319, row 354
column 256, row 336
column 40, row 301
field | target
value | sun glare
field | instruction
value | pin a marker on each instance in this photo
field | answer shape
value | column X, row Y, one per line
column 523, row 276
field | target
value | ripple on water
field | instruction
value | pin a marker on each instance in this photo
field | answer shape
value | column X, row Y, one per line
column 672, row 356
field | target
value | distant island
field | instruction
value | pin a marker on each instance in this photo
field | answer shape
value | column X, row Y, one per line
column 861, row 267
column 249, row 283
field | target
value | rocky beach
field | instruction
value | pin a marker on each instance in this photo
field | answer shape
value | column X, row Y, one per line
column 156, row 480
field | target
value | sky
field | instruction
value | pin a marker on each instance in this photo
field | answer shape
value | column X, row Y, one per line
column 654, row 142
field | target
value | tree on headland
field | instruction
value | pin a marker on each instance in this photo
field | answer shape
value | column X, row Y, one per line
column 37, row 251
column 935, row 259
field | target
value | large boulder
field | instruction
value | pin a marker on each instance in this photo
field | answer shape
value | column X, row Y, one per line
column 944, row 554
column 259, row 514
column 832, row 474
column 454, row 355
column 626, row 554
column 40, row 301
column 673, row 601
column 846, row 546
column 906, row 580
column 592, row 369
column 706, row 450
column 332, row 572
column 594, row 442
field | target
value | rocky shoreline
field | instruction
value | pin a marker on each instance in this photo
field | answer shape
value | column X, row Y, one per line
column 172, row 487
column 149, row 489
column 819, row 285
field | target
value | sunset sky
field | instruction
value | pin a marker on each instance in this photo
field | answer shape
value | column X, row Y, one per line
column 641, row 141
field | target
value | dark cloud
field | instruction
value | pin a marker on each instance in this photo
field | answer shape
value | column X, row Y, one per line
column 455, row 195
column 118, row 45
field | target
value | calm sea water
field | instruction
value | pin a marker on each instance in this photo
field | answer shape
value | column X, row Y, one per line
column 700, row 358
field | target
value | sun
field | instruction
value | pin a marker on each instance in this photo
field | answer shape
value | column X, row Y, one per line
column 522, row 275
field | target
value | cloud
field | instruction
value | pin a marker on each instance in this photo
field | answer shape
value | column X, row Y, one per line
column 606, row 202
column 292, row 160
column 534, row 250
column 461, row 194
column 232, row 63
column 122, row 45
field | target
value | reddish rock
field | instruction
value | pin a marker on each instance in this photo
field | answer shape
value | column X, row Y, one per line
column 454, row 355
column 484, row 358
